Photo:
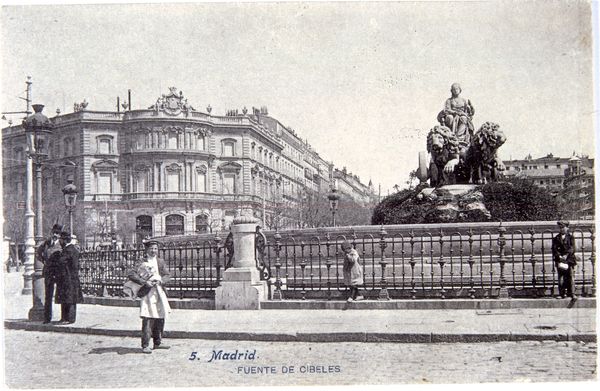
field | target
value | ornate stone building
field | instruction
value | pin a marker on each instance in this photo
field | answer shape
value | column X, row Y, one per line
column 167, row 170
column 571, row 180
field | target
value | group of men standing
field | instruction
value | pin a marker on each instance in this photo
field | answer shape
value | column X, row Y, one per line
column 60, row 256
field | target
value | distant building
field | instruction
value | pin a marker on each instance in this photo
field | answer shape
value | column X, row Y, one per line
column 351, row 186
column 168, row 170
column 569, row 179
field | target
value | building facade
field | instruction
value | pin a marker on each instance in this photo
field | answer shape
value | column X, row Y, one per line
column 167, row 170
column 571, row 180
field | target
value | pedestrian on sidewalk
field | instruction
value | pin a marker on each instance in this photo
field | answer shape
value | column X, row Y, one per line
column 151, row 273
column 68, row 292
column 353, row 272
column 48, row 254
column 565, row 260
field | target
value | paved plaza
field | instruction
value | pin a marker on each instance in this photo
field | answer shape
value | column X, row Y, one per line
column 77, row 361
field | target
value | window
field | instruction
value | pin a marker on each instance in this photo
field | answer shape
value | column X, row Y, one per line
column 141, row 141
column 18, row 155
column 104, row 183
column 200, row 146
column 545, row 166
column 558, row 166
column 228, row 219
column 143, row 227
column 67, row 147
column 228, row 148
column 141, row 181
column 174, row 225
column 201, row 181
column 229, row 184
column 104, row 145
column 201, row 223
column 172, row 180
column 172, row 141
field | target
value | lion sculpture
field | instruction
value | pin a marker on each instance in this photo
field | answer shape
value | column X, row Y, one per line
column 482, row 158
column 444, row 147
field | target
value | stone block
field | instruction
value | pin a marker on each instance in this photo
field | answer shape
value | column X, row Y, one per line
column 242, row 274
column 240, row 295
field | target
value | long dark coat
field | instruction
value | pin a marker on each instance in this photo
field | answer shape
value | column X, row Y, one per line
column 48, row 255
column 69, row 287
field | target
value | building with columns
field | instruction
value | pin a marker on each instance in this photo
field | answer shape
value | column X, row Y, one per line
column 166, row 170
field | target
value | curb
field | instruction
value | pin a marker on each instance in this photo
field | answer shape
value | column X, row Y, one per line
column 421, row 304
column 313, row 337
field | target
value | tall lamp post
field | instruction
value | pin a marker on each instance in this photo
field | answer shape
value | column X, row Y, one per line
column 70, row 194
column 334, row 198
column 37, row 131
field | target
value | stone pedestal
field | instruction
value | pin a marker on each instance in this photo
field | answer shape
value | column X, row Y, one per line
column 241, row 288
column 454, row 203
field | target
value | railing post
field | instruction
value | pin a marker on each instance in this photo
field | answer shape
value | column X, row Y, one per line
column 277, row 293
column 533, row 259
column 413, row 291
column 471, row 263
column 441, row 262
column 593, row 261
column 218, row 250
column 383, row 292
column 242, row 288
column 503, row 293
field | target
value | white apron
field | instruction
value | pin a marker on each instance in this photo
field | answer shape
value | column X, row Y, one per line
column 155, row 304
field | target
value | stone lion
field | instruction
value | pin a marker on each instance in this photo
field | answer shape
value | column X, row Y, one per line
column 483, row 159
column 444, row 147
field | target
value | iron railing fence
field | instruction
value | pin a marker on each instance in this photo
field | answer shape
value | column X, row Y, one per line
column 431, row 265
column 446, row 261
column 195, row 268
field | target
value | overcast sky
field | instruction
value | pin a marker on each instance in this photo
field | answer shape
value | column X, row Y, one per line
column 362, row 82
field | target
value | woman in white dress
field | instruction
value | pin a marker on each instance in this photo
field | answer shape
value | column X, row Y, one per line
column 151, row 273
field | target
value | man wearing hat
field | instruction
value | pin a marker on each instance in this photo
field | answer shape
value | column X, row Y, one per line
column 69, row 287
column 151, row 273
column 48, row 253
column 565, row 260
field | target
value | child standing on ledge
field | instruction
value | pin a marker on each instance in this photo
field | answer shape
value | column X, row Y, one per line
column 353, row 272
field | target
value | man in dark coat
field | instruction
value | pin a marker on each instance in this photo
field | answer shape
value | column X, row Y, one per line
column 69, row 287
column 563, row 255
column 48, row 253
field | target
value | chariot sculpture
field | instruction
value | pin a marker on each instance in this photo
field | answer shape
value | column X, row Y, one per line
column 458, row 155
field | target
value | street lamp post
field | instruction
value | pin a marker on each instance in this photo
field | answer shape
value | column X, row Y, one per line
column 334, row 198
column 37, row 130
column 70, row 195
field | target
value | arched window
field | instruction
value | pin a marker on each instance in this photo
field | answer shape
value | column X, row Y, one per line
column 201, row 223
column 143, row 227
column 174, row 225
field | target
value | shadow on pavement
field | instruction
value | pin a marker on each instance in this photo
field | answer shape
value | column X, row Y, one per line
column 117, row 349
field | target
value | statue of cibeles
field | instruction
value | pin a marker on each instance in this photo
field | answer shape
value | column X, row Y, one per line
column 458, row 114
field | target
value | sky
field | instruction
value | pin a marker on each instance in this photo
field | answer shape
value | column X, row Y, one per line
column 362, row 82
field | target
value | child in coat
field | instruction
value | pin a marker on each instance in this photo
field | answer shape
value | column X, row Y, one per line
column 353, row 272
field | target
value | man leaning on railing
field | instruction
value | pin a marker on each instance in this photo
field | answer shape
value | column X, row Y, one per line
column 565, row 260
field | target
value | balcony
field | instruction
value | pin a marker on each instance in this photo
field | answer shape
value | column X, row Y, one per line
column 178, row 195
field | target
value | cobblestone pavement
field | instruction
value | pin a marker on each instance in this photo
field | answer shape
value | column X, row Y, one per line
column 78, row 361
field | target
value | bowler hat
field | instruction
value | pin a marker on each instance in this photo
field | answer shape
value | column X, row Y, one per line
column 65, row 235
column 57, row 228
column 562, row 223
